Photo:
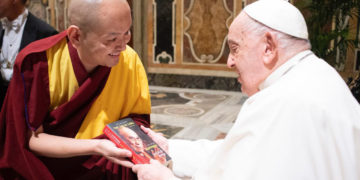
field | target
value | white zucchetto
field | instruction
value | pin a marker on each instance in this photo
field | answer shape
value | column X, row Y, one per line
column 279, row 15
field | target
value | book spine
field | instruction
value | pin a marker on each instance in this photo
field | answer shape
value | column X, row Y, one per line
column 136, row 159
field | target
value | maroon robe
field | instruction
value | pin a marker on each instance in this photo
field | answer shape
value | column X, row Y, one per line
column 26, row 107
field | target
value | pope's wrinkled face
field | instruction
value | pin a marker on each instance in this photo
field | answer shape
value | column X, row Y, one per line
column 245, row 56
column 133, row 139
column 103, row 44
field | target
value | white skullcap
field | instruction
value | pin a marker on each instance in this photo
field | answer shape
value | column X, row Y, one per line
column 279, row 15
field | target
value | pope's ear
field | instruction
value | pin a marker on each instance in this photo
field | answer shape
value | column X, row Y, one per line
column 271, row 48
column 73, row 33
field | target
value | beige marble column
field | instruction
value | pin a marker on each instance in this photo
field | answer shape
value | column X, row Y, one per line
column 139, row 29
column 51, row 13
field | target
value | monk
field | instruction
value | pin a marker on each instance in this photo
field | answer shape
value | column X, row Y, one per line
column 299, row 122
column 64, row 91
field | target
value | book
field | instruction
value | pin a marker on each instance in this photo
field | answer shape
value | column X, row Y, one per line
column 126, row 134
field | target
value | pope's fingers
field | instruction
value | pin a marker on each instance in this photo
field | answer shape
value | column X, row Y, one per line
column 153, row 161
column 136, row 168
column 149, row 131
column 145, row 129
column 160, row 134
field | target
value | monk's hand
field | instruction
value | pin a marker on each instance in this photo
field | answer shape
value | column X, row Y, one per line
column 158, row 138
column 116, row 155
column 152, row 171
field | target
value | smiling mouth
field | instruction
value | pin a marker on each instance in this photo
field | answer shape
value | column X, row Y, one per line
column 115, row 54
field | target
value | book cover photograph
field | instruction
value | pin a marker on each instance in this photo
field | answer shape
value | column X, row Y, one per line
column 125, row 133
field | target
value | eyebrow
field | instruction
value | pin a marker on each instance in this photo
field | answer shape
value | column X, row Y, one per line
column 232, row 42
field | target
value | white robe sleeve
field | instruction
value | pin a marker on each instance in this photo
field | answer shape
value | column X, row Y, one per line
column 357, row 146
column 188, row 156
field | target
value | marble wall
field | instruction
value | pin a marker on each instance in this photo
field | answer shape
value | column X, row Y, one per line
column 40, row 8
column 189, row 36
column 185, row 37
column 205, row 22
column 54, row 12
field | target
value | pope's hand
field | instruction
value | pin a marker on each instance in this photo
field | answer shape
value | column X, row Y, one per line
column 158, row 138
column 158, row 155
column 152, row 171
column 116, row 155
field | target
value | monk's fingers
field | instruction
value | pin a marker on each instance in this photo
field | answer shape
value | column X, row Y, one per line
column 121, row 153
column 122, row 161
column 119, row 156
column 108, row 148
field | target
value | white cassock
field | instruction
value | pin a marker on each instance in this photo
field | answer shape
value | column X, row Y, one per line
column 304, row 124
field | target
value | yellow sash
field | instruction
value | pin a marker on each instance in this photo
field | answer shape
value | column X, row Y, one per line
column 62, row 79
column 126, row 90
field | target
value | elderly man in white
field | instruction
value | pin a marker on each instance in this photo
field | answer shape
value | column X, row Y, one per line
column 299, row 122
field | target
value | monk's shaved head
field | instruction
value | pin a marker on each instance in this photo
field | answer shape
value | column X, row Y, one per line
column 88, row 14
column 99, row 30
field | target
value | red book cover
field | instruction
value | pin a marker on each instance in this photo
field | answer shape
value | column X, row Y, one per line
column 125, row 133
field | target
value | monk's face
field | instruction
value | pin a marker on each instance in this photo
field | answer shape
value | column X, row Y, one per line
column 245, row 56
column 103, row 44
column 133, row 139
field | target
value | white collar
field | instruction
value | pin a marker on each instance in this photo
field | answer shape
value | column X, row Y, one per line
column 16, row 23
column 283, row 69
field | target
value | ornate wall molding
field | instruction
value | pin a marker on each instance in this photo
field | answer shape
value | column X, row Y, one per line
column 203, row 21
column 163, row 15
column 189, row 34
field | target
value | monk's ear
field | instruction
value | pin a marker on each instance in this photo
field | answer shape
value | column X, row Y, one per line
column 270, row 50
column 74, row 33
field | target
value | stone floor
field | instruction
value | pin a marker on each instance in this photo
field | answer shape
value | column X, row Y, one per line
column 194, row 113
